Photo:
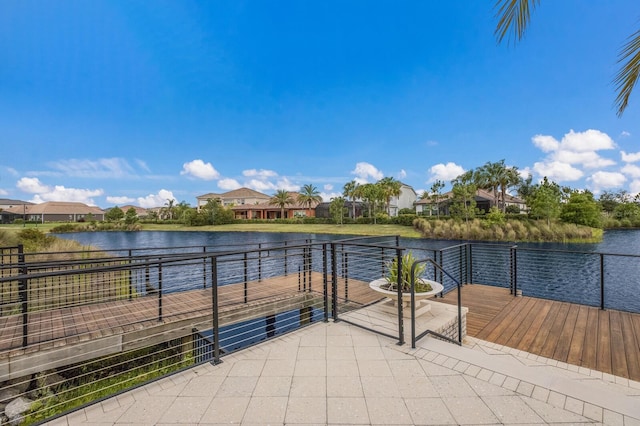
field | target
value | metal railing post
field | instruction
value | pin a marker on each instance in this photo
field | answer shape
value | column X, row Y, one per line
column 214, row 309
column 602, row 281
column 130, row 275
column 159, row 290
column 246, row 284
column 204, row 268
column 334, row 284
column 259, row 262
column 345, row 271
column 286, row 259
column 23, row 295
column 400, row 313
column 325, row 283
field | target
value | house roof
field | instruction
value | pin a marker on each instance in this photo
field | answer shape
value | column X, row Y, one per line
column 58, row 207
column 9, row 202
column 267, row 206
column 236, row 193
column 140, row 211
column 481, row 194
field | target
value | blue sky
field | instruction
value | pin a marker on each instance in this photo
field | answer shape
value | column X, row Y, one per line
column 135, row 102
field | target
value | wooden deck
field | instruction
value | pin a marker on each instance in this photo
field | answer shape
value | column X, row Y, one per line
column 607, row 341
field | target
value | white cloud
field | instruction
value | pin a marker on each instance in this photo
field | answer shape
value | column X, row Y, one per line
column 260, row 185
column 120, row 200
column 57, row 193
column 199, row 169
column 31, row 185
column 576, row 150
column 286, row 184
column 590, row 140
column 12, row 171
column 327, row 196
column 260, row 174
column 364, row 171
column 445, row 172
column 631, row 170
column 631, row 157
column 328, row 187
column 402, row 174
column 624, row 134
column 557, row 171
column 143, row 165
column 229, row 184
column 60, row 193
column 156, row 200
column 545, row 143
column 4, row 192
column 634, row 187
column 101, row 168
column 589, row 159
column 606, row 180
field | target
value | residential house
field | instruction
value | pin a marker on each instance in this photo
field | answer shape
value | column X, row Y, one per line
column 58, row 211
column 324, row 209
column 264, row 210
column 8, row 209
column 406, row 200
column 236, row 197
column 484, row 201
column 140, row 211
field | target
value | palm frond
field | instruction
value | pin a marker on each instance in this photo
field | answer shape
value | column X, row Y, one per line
column 513, row 18
column 628, row 75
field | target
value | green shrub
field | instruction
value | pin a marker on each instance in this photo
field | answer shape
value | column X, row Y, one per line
column 64, row 228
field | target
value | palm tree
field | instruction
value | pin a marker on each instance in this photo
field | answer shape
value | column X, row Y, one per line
column 371, row 193
column 350, row 191
column 169, row 204
column 508, row 179
column 435, row 189
column 489, row 176
column 513, row 19
column 390, row 188
column 308, row 196
column 281, row 198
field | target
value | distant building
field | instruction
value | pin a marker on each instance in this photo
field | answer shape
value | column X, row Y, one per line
column 9, row 209
column 58, row 211
column 484, row 201
column 140, row 211
column 237, row 197
column 406, row 200
column 264, row 210
column 323, row 210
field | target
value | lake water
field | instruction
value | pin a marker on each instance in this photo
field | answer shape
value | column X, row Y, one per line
column 541, row 271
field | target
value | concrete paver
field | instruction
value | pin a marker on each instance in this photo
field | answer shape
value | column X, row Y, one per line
column 337, row 374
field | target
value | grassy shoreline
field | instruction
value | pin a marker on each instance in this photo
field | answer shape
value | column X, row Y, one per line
column 346, row 229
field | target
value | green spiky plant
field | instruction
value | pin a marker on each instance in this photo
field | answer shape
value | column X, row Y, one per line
column 392, row 275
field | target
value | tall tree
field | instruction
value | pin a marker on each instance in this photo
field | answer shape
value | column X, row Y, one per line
column 435, row 189
column 545, row 200
column 308, row 196
column 389, row 187
column 371, row 194
column 464, row 192
column 581, row 209
column 514, row 17
column 508, row 179
column 337, row 209
column 170, row 204
column 350, row 191
column 281, row 199
column 488, row 177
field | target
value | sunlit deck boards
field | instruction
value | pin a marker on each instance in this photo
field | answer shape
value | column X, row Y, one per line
column 70, row 325
column 607, row 341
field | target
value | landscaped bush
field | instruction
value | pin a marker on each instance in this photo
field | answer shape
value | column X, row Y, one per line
column 64, row 228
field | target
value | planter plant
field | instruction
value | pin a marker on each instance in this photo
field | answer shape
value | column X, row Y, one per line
column 421, row 285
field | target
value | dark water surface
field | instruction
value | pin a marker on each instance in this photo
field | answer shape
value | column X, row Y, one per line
column 544, row 270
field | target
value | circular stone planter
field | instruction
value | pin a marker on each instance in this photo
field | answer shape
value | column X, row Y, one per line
column 436, row 288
